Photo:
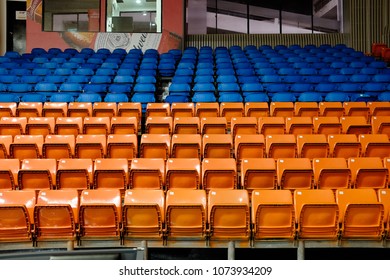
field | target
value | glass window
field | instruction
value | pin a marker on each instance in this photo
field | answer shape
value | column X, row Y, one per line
column 264, row 17
column 72, row 15
column 133, row 16
column 296, row 18
column 327, row 16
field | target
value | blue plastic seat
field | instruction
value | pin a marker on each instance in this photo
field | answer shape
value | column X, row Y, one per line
column 145, row 88
column 384, row 96
column 105, row 72
column 46, row 88
column 20, row 89
column 227, row 79
column 116, row 97
column 325, row 87
column 183, row 79
column 277, row 87
column 33, row 97
column 96, row 88
column 89, row 97
column 9, row 97
column 119, row 88
column 55, row 79
column 20, row 72
column 245, row 72
column 179, row 89
column 228, row 87
column 256, row 97
column 283, row 97
column 336, row 97
column 75, row 88
column 230, row 97
column 101, row 80
column 31, row 79
column 301, row 87
column 78, row 79
column 144, row 99
column 177, row 99
column 291, row 79
column 61, row 97
column 337, row 78
column 9, row 79
column 3, row 88
column 84, row 72
column 203, row 97
column 271, row 79
column 63, row 72
column 203, row 79
column 225, row 71
column 349, row 87
column 250, row 88
column 204, row 87
column 309, row 97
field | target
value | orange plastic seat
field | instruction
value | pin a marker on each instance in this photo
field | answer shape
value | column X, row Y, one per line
column 316, row 214
column 8, row 109
column 256, row 109
column 356, row 109
column 69, row 126
column 58, row 146
column 213, row 125
column 111, row 173
column 16, row 215
column 384, row 198
column 375, row 145
column 130, row 109
column 29, row 109
column 122, row 146
column 26, row 146
column 96, row 125
column 55, row 109
column 186, row 215
column 155, row 146
column 228, row 214
column 179, row 110
column 90, row 146
column 37, row 174
column 231, row 110
column 5, row 142
column 158, row 110
column 258, row 173
column 327, row 125
column 280, row 146
column 331, row 173
column 206, row 110
column 217, row 145
column 158, row 125
column 9, row 169
column 306, row 109
column 186, row 146
column 100, row 213
column 368, row 173
column 186, row 125
column 80, row 109
column 331, row 109
column 74, row 173
column 361, row 215
column 273, row 214
column 294, row 173
column 147, row 173
column 355, row 125
column 379, row 108
column 13, row 125
column 56, row 215
column 271, row 125
column 299, row 125
column 40, row 126
column 344, row 146
column 124, row 125
column 312, row 146
column 144, row 214
column 183, row 173
column 281, row 109
column 249, row 146
column 381, row 125
column 219, row 173
column 243, row 125
column 104, row 109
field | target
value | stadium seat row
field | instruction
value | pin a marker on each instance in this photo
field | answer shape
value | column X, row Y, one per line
column 210, row 173
column 182, row 214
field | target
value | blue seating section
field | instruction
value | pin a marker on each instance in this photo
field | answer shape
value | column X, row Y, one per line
column 235, row 74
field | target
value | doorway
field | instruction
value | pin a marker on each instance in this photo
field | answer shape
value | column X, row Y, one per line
column 16, row 26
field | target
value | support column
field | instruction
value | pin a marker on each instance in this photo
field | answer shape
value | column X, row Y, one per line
column 301, row 250
column 144, row 245
column 3, row 26
column 231, row 251
column 197, row 17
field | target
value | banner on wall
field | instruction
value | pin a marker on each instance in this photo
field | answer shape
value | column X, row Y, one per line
column 37, row 38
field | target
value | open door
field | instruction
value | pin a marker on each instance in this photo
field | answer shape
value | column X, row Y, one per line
column 16, row 26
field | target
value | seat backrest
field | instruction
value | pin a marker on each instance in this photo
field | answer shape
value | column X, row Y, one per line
column 104, row 109
column 96, row 204
column 327, row 125
column 186, row 125
column 361, row 215
column 273, row 214
column 243, row 125
column 69, row 125
column 368, row 172
column 74, row 173
column 228, row 214
column 29, row 109
column 249, row 146
column 37, row 174
column 312, row 146
column 205, row 109
column 155, row 146
column 26, row 147
column 344, row 145
column 282, row 109
column 58, row 146
column 219, row 173
column 56, row 214
column 8, row 109
column 331, row 173
column 13, row 125
column 16, row 214
column 96, row 125
column 144, row 213
column 130, row 109
column 182, row 110
column 5, row 142
column 183, row 173
column 158, row 110
column 9, row 169
column 299, row 125
column 294, row 173
column 186, row 146
column 80, row 109
column 90, row 146
column 331, row 109
column 122, row 146
column 158, row 125
column 111, row 173
column 306, row 109
column 256, row 109
column 213, row 125
column 40, row 126
column 271, row 125
column 258, row 173
column 186, row 213
column 380, row 125
column 355, row 125
column 375, row 145
column 217, row 145
column 280, row 146
column 147, row 173
column 309, row 206
column 124, row 125
column 356, row 109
